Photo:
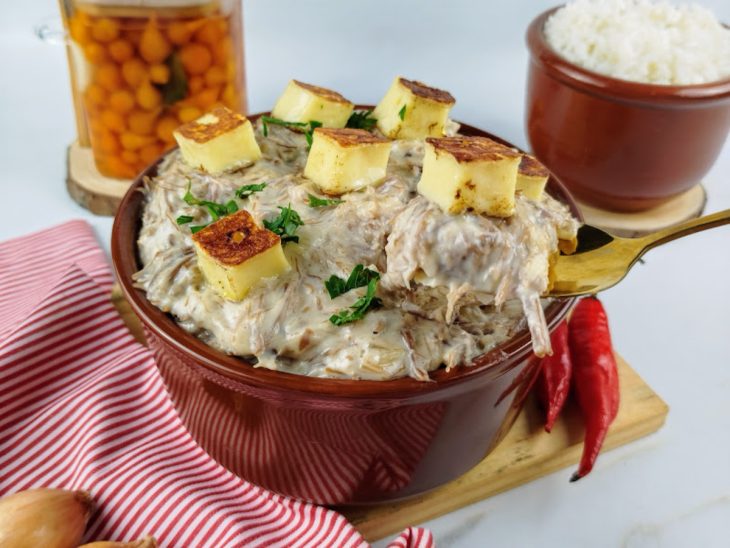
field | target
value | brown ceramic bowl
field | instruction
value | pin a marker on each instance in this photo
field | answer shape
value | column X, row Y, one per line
column 616, row 144
column 325, row 440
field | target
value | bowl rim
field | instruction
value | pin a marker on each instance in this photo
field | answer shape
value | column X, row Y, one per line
column 126, row 261
column 556, row 65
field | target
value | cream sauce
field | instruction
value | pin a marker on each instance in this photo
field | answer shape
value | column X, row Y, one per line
column 452, row 287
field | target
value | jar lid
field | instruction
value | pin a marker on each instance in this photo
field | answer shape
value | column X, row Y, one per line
column 149, row 8
column 144, row 3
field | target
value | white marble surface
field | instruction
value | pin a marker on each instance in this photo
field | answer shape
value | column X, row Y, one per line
column 669, row 317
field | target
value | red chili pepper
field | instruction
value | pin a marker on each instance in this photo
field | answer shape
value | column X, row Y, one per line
column 553, row 383
column 595, row 377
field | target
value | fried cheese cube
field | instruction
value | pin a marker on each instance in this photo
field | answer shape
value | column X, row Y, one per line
column 218, row 141
column 413, row 110
column 532, row 177
column 303, row 103
column 344, row 160
column 470, row 173
column 234, row 254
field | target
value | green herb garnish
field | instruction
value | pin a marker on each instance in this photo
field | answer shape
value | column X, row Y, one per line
column 266, row 120
column 402, row 113
column 231, row 207
column 309, row 134
column 308, row 127
column 246, row 190
column 360, row 307
column 361, row 119
column 285, row 225
column 314, row 201
column 215, row 209
column 359, row 277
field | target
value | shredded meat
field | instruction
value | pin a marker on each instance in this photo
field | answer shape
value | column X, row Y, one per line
column 452, row 287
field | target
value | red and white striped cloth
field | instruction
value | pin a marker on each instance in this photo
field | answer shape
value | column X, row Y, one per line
column 84, row 407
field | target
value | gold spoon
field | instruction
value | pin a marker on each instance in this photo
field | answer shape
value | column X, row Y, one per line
column 601, row 260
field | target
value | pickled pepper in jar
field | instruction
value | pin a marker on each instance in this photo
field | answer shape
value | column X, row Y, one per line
column 143, row 68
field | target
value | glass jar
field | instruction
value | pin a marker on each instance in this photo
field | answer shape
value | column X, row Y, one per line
column 140, row 68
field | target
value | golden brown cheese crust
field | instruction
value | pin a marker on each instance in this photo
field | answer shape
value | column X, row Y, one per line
column 348, row 137
column 234, row 239
column 472, row 149
column 328, row 94
column 420, row 89
column 530, row 167
column 202, row 133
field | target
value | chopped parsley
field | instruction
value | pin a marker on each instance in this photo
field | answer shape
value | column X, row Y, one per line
column 308, row 127
column 285, row 225
column 215, row 210
column 402, row 113
column 360, row 307
column 309, row 134
column 359, row 277
column 315, row 201
column 266, row 120
column 361, row 119
column 246, row 190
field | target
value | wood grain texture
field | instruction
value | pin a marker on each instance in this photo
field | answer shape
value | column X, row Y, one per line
column 89, row 188
column 525, row 454
column 688, row 205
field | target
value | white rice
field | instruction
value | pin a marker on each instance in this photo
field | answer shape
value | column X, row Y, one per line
column 642, row 40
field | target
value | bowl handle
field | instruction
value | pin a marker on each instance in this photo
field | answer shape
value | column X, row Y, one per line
column 50, row 30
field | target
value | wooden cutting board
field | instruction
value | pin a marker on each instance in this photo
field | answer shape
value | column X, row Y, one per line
column 90, row 189
column 525, row 454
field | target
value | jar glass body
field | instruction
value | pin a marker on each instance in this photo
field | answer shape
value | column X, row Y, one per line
column 139, row 71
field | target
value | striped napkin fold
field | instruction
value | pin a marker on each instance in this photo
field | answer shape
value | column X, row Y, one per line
column 84, row 407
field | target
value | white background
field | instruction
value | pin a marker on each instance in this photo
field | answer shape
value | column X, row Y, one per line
column 669, row 317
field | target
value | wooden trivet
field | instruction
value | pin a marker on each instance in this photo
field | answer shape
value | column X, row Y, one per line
column 89, row 188
column 525, row 454
column 687, row 205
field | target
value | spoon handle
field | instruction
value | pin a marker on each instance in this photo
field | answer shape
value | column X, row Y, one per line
column 684, row 229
